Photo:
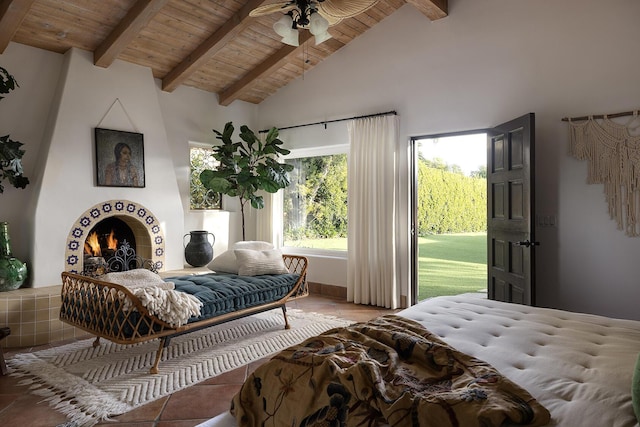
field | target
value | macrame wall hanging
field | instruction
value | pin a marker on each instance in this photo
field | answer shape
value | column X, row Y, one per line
column 612, row 150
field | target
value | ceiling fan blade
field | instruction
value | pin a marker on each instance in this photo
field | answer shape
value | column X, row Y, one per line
column 282, row 7
column 332, row 19
column 344, row 8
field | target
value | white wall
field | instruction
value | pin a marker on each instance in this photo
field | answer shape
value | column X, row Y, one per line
column 23, row 115
column 61, row 100
column 486, row 63
column 191, row 115
column 95, row 97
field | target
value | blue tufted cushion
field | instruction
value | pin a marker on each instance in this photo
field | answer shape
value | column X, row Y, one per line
column 222, row 293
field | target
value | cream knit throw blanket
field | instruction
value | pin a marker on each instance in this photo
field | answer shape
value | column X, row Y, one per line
column 156, row 295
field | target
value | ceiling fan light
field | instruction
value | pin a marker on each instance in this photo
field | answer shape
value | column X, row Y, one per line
column 283, row 26
column 318, row 26
column 322, row 37
column 291, row 39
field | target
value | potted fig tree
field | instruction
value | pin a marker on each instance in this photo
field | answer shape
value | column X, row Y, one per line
column 247, row 166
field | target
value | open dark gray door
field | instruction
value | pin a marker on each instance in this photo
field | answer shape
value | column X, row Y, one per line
column 510, row 211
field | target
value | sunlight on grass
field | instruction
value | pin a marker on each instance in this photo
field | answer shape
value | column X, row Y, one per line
column 451, row 264
column 448, row 264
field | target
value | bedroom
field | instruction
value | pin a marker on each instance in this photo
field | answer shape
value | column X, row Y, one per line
column 484, row 64
column 553, row 73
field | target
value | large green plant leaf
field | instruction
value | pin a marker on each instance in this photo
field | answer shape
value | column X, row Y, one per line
column 248, row 136
column 11, row 163
column 226, row 134
column 213, row 181
column 7, row 82
column 257, row 202
column 9, row 149
column 270, row 186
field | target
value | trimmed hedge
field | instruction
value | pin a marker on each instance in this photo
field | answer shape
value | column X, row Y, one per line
column 450, row 202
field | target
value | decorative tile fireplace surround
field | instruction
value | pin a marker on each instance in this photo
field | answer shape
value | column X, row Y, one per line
column 32, row 313
column 145, row 227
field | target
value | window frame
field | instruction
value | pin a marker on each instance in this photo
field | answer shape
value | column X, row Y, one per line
column 298, row 153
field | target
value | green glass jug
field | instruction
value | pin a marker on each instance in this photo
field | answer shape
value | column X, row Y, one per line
column 13, row 272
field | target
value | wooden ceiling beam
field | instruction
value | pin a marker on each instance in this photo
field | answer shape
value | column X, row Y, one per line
column 212, row 45
column 433, row 9
column 12, row 12
column 271, row 64
column 136, row 19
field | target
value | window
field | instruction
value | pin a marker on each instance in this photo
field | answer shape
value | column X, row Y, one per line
column 315, row 203
column 201, row 198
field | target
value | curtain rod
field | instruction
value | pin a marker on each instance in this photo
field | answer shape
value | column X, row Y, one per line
column 333, row 121
column 601, row 116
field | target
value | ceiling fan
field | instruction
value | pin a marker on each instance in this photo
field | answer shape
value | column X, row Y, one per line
column 316, row 15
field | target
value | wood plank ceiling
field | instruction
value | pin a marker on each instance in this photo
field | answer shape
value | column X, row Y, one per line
column 213, row 45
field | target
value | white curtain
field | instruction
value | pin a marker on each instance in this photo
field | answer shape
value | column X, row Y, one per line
column 372, row 273
column 269, row 219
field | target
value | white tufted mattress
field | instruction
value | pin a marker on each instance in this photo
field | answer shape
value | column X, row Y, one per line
column 579, row 366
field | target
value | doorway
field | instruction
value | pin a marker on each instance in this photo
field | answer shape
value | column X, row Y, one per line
column 449, row 214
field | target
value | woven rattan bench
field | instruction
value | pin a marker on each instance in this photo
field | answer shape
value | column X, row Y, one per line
column 96, row 307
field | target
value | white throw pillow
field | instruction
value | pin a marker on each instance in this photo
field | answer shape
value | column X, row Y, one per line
column 254, row 263
column 226, row 261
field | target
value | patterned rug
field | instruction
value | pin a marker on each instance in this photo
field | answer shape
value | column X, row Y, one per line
column 92, row 384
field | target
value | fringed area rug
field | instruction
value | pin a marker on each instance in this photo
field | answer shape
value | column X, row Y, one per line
column 92, row 384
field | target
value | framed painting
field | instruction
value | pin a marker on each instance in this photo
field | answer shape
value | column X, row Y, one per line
column 119, row 158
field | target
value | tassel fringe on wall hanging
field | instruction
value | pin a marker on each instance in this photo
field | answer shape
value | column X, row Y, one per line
column 612, row 150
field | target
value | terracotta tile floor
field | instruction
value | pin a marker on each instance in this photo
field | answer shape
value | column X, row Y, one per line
column 184, row 408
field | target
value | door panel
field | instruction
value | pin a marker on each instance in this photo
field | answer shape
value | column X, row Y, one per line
column 510, row 207
column 497, row 202
column 517, row 200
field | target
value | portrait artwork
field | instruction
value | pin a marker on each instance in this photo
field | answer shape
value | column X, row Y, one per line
column 119, row 158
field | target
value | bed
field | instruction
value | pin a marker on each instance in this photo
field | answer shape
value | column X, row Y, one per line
column 578, row 366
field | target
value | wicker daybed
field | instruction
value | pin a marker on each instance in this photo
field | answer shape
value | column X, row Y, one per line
column 97, row 306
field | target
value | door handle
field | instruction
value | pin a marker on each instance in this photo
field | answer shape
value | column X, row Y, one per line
column 527, row 243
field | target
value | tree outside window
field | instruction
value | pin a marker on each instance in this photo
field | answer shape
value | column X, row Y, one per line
column 315, row 203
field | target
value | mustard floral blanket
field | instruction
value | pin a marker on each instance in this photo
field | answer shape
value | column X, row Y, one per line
column 390, row 370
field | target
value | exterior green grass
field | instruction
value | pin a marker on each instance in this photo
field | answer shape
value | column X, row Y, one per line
column 452, row 264
column 448, row 264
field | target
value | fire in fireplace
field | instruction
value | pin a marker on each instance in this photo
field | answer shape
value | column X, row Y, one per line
column 108, row 244
column 106, row 236
column 92, row 246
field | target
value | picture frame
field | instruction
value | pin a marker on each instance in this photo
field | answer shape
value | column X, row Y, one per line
column 119, row 158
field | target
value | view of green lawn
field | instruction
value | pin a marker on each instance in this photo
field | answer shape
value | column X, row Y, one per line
column 451, row 264
column 448, row 264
